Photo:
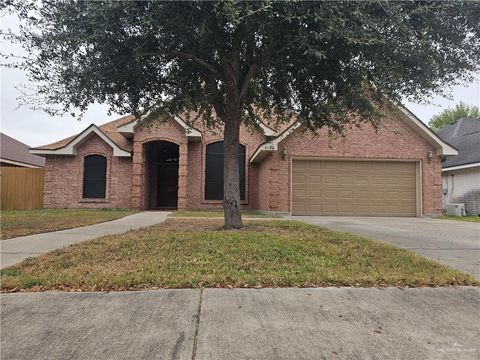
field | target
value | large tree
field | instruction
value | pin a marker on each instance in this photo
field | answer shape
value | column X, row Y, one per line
column 450, row 115
column 326, row 63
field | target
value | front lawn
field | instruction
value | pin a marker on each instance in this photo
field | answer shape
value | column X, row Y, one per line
column 184, row 253
column 461, row 218
column 15, row 223
column 219, row 213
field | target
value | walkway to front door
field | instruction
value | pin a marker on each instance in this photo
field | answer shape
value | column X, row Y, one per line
column 16, row 249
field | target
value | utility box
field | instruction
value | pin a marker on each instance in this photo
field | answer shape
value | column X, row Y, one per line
column 456, row 209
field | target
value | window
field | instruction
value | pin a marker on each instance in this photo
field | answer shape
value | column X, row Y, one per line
column 214, row 171
column 94, row 176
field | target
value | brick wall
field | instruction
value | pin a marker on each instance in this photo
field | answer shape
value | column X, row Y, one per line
column 268, row 183
column 63, row 185
column 395, row 140
column 263, row 190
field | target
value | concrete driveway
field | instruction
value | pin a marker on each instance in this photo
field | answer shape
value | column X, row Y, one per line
column 210, row 324
column 453, row 243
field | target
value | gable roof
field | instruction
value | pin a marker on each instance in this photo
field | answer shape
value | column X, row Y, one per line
column 464, row 134
column 270, row 146
column 117, row 134
column 442, row 147
column 108, row 132
column 15, row 152
column 109, row 129
column 128, row 128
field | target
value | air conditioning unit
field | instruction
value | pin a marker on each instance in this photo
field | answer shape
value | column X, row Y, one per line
column 456, row 209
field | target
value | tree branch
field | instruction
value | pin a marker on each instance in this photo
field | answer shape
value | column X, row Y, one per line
column 181, row 55
column 187, row 56
column 215, row 97
column 247, row 79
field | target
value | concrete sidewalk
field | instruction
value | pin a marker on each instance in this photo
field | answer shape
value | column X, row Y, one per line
column 17, row 249
column 329, row 323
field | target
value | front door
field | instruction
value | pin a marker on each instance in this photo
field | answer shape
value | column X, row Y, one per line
column 167, row 190
column 161, row 175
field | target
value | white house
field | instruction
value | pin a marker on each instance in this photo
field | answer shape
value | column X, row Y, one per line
column 461, row 173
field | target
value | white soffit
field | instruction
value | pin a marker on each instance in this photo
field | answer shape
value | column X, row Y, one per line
column 192, row 133
column 460, row 167
column 18, row 163
column 267, row 130
column 129, row 128
column 272, row 145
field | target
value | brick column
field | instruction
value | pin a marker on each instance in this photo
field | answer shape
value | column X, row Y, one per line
column 182, row 176
column 137, row 176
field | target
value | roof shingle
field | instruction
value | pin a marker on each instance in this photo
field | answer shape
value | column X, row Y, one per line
column 109, row 129
column 14, row 150
column 464, row 134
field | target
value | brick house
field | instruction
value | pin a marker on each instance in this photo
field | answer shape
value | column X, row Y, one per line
column 168, row 164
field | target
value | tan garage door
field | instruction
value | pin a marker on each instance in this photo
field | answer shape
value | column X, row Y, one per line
column 364, row 188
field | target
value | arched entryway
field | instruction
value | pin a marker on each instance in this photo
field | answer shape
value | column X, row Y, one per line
column 161, row 175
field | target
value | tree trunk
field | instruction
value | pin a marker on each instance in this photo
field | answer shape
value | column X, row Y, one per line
column 232, row 118
column 231, row 172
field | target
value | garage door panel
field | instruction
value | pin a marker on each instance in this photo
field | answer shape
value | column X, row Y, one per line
column 315, row 165
column 328, row 165
column 346, row 180
column 362, row 208
column 299, row 165
column 300, row 193
column 314, row 179
column 347, row 195
column 330, row 180
column 376, row 188
column 330, row 194
column 361, row 194
column 393, row 195
column 299, row 179
column 377, row 180
column 327, row 207
column 377, row 195
column 299, row 209
column 362, row 180
column 315, row 193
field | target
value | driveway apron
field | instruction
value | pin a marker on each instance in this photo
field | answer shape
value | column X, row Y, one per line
column 452, row 243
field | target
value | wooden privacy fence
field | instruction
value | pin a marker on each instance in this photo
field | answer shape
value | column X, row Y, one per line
column 21, row 188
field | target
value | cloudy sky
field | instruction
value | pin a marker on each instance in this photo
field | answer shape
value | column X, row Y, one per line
column 35, row 127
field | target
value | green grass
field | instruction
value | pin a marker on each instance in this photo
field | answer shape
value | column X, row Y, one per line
column 461, row 218
column 15, row 223
column 219, row 213
column 185, row 253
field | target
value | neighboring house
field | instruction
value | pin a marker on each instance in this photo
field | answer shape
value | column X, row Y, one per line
column 169, row 164
column 461, row 173
column 16, row 153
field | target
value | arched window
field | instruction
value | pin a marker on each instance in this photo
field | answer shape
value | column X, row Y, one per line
column 94, row 176
column 214, row 171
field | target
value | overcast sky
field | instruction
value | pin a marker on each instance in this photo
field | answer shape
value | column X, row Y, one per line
column 35, row 127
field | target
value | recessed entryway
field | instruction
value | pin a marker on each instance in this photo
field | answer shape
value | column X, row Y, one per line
column 161, row 175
